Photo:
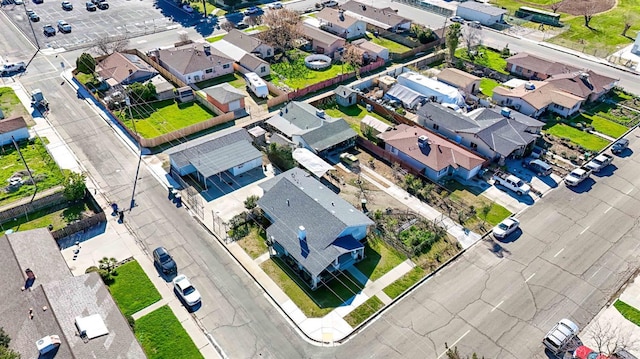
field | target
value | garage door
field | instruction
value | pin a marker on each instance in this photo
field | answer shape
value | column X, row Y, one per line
column 235, row 105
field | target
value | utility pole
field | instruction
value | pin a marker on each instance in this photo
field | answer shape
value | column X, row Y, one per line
column 35, row 186
column 135, row 180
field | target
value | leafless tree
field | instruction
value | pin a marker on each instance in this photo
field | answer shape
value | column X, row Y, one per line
column 253, row 20
column 609, row 339
column 472, row 39
column 556, row 6
column 184, row 36
column 108, row 45
column 284, row 29
column 227, row 26
column 588, row 9
column 629, row 18
column 353, row 56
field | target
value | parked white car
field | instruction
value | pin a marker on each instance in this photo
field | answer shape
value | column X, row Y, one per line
column 560, row 335
column 506, row 227
column 186, row 291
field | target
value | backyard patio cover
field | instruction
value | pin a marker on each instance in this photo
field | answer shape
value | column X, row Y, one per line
column 224, row 158
column 310, row 161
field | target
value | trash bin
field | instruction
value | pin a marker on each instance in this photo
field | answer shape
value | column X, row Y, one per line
column 174, row 194
column 171, row 194
column 178, row 200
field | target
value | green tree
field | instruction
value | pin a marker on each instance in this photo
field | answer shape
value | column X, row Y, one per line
column 251, row 202
column 452, row 39
column 86, row 64
column 485, row 212
column 107, row 269
column 281, row 156
column 142, row 93
column 4, row 338
column 74, row 186
column 6, row 353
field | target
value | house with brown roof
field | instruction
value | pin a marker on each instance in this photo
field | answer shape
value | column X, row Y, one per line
column 321, row 41
column 536, row 68
column 535, row 97
column 371, row 51
column 588, row 84
column 385, row 18
column 194, row 62
column 431, row 154
column 248, row 43
column 460, row 79
column 247, row 50
column 15, row 127
column 338, row 23
column 124, row 69
column 225, row 97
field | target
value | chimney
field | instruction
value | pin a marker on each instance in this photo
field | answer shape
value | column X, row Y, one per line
column 207, row 49
column 302, row 233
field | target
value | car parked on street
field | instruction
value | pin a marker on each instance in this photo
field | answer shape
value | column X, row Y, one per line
column 330, row 3
column 506, row 227
column 252, row 10
column 64, row 26
column 18, row 2
column 67, row 6
column 619, row 146
column 560, row 336
column 242, row 26
column 49, row 30
column 475, row 24
column 275, row 5
column 457, row 19
column 187, row 292
column 12, row 68
column 164, row 262
column 38, row 1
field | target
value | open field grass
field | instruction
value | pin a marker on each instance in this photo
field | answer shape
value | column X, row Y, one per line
column 379, row 259
column 296, row 75
column 601, row 125
column 630, row 313
column 314, row 304
column 466, row 195
column 12, row 107
column 393, row 46
column 363, row 311
column 588, row 141
column 163, row 337
column 485, row 57
column 161, row 117
column 353, row 114
column 43, row 218
column 131, row 288
column 233, row 79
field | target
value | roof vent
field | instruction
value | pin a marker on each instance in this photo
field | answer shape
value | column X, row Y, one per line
column 529, row 86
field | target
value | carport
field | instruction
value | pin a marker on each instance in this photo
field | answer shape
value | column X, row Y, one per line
column 311, row 162
column 235, row 159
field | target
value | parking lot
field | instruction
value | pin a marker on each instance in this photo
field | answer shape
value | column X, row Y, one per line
column 122, row 18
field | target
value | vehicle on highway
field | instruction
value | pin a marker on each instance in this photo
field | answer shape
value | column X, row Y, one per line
column 560, row 335
column 67, row 6
column 187, row 292
column 163, row 261
column 583, row 352
column 619, row 146
column 475, row 24
column 506, row 227
column 13, row 67
column 539, row 167
column 64, row 26
column 252, row 10
column 90, row 6
column 599, row 162
column 34, row 17
column 275, row 5
column 457, row 19
column 577, row 176
column 49, row 30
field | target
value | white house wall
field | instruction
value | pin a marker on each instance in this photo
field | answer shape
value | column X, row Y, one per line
column 247, row 166
column 19, row 134
column 474, row 15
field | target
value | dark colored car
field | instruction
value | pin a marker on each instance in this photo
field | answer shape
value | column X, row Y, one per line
column 67, row 6
column 49, row 30
column 242, row 26
column 91, row 6
column 34, row 17
column 38, row 1
column 163, row 260
column 620, row 145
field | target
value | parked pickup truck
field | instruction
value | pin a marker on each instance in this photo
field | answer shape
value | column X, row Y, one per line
column 599, row 162
column 511, row 182
column 577, row 176
column 38, row 99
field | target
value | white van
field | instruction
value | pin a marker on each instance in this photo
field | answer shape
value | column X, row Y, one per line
column 256, row 85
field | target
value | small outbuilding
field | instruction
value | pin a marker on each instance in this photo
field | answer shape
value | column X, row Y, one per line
column 372, row 126
column 346, row 96
column 15, row 128
column 484, row 13
column 225, row 97
column 460, row 79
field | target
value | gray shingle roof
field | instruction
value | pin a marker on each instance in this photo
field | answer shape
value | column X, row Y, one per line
column 242, row 40
column 217, row 152
column 313, row 33
column 192, row 58
column 252, row 61
column 295, row 198
column 483, row 8
column 383, row 17
column 329, row 134
column 224, row 93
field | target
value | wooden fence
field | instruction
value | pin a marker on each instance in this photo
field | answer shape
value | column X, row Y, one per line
column 421, row 48
column 53, row 200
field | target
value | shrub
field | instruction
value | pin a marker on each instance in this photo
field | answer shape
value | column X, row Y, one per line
column 132, row 322
column 92, row 269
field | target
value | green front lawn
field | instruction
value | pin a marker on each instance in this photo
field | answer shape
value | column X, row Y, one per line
column 389, row 44
column 11, row 106
column 399, row 286
column 485, row 57
column 254, row 243
column 43, row 218
column 43, row 168
column 215, row 38
column 379, row 259
column 465, row 195
column 232, row 79
column 353, row 114
column 131, row 288
column 601, row 125
column 590, row 142
column 630, row 313
column 487, row 86
column 363, row 311
column 158, row 118
column 163, row 337
column 258, row 28
column 314, row 304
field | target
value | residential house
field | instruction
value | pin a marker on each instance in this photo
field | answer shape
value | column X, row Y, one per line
column 13, row 128
column 124, row 69
column 253, row 63
column 461, row 80
column 430, row 154
column 346, row 96
column 484, row 13
column 225, row 97
column 492, row 134
column 371, row 51
column 533, row 67
column 385, row 18
column 247, row 50
column 250, row 44
column 588, row 84
column 164, row 89
column 372, row 127
column 47, row 311
column 313, row 230
column 194, row 62
column 338, row 23
column 308, row 127
column 227, row 152
column 322, row 42
column 431, row 89
column 533, row 98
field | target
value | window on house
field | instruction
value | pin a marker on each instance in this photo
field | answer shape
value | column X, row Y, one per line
column 518, row 68
column 268, row 52
column 208, row 71
column 263, row 69
column 436, row 127
column 473, row 145
column 225, row 66
column 509, row 101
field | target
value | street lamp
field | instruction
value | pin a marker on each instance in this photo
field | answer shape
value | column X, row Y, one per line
column 135, row 180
